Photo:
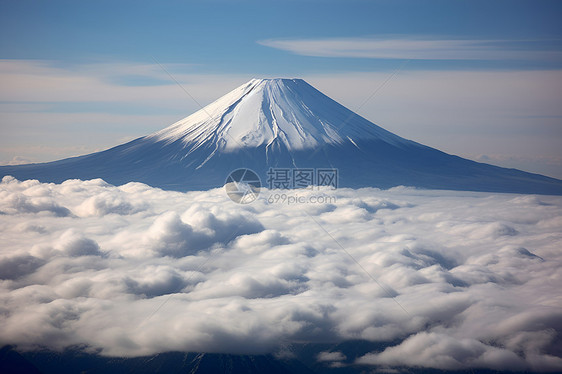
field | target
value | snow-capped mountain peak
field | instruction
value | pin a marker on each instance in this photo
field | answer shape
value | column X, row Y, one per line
column 271, row 113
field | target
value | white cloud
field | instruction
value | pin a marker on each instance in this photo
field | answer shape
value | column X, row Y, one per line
column 42, row 81
column 331, row 356
column 333, row 359
column 445, row 352
column 135, row 270
column 413, row 47
column 74, row 244
column 18, row 160
column 107, row 203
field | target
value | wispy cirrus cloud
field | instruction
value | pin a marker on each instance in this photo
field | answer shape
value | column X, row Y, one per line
column 418, row 48
column 44, row 81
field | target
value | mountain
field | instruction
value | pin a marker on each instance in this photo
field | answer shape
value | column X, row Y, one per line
column 76, row 361
column 11, row 362
column 282, row 123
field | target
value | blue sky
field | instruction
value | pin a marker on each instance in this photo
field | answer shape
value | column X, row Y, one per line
column 221, row 36
column 476, row 78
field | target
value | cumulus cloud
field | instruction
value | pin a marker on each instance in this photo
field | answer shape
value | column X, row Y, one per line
column 106, row 203
column 12, row 267
column 29, row 197
column 444, row 280
column 74, row 244
column 445, row 352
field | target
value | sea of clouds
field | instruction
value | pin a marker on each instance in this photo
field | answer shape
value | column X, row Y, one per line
column 452, row 279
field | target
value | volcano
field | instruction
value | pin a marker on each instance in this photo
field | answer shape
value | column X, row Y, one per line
column 283, row 124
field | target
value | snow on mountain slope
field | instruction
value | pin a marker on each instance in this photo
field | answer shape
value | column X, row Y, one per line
column 282, row 123
column 272, row 111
